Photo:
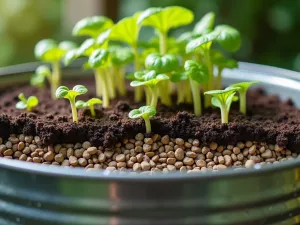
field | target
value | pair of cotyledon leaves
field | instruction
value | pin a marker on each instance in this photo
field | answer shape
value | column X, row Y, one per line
column 27, row 103
column 142, row 112
column 65, row 92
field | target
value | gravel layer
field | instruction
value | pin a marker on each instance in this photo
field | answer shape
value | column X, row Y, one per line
column 143, row 154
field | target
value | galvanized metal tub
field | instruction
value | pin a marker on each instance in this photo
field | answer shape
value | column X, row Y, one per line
column 32, row 194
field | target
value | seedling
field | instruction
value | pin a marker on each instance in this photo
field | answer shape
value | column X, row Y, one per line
column 197, row 74
column 41, row 73
column 27, row 103
column 223, row 99
column 149, row 79
column 242, row 89
column 90, row 103
column 164, row 19
column 144, row 112
column 48, row 50
column 92, row 26
column 206, row 24
column 65, row 92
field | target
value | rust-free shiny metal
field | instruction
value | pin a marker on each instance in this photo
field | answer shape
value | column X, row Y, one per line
column 33, row 194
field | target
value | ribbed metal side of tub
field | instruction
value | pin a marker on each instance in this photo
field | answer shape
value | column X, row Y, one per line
column 267, row 198
column 32, row 194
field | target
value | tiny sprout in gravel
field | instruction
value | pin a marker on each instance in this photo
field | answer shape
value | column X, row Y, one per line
column 90, row 103
column 144, row 112
column 27, row 103
column 65, row 92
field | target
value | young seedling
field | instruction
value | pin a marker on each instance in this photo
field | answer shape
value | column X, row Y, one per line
column 90, row 103
column 65, row 92
column 48, row 50
column 149, row 79
column 223, row 99
column 41, row 73
column 197, row 74
column 27, row 103
column 242, row 89
column 144, row 112
column 164, row 19
column 206, row 24
column 92, row 26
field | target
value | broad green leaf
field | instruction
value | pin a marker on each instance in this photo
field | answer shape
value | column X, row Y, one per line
column 179, row 76
column 99, row 58
column 43, row 70
column 67, row 45
column 120, row 55
column 94, row 101
column 144, row 111
column 126, row 30
column 44, row 46
column 21, row 105
column 163, row 19
column 206, row 24
column 32, row 101
column 187, row 36
column 196, row 71
column 162, row 63
column 70, row 56
column 92, row 26
column 222, row 95
column 229, row 38
column 102, row 39
column 135, row 113
column 243, row 86
column 219, row 60
column 80, row 89
column 148, row 78
column 87, row 47
column 81, row 104
column 203, row 42
column 62, row 92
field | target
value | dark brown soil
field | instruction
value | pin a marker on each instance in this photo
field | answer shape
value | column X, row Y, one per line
column 268, row 120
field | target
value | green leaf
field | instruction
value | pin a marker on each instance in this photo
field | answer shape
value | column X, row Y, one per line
column 120, row 56
column 126, row 30
column 144, row 111
column 219, row 60
column 163, row 19
column 206, row 24
column 103, row 38
column 21, row 105
column 62, row 92
column 99, row 58
column 196, row 71
column 179, row 76
column 32, row 101
column 81, row 104
column 22, row 97
column 87, row 47
column 43, row 70
column 203, row 42
column 94, row 101
column 229, row 38
column 243, row 86
column 222, row 95
column 80, row 89
column 44, row 46
column 67, row 45
column 37, row 80
column 187, row 36
column 70, row 56
column 92, row 26
column 148, row 78
column 162, row 64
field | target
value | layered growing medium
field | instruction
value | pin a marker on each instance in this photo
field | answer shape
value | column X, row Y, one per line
column 165, row 85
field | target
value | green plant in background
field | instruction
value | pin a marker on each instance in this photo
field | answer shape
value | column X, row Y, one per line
column 90, row 103
column 41, row 73
column 144, row 112
column 164, row 19
column 149, row 79
column 242, row 89
column 223, row 99
column 48, row 50
column 65, row 92
column 27, row 103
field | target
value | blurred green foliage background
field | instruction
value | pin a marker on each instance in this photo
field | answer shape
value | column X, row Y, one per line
column 269, row 28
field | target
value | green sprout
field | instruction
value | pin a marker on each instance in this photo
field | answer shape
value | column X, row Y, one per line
column 223, row 99
column 41, row 73
column 90, row 103
column 206, row 24
column 65, row 92
column 144, row 112
column 92, row 26
column 197, row 74
column 149, row 79
column 27, row 103
column 48, row 50
column 164, row 19
column 242, row 89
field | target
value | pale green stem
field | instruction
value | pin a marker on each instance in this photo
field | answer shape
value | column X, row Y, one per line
column 188, row 92
column 196, row 97
column 180, row 92
column 120, row 80
column 92, row 109
column 154, row 97
column 219, row 79
column 55, row 78
column 74, row 110
column 138, row 91
column 243, row 105
column 147, row 124
column 105, row 93
column 111, row 85
column 148, row 95
column 164, row 93
column 210, row 83
column 162, row 42
column 224, row 113
column 29, row 109
column 99, row 84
